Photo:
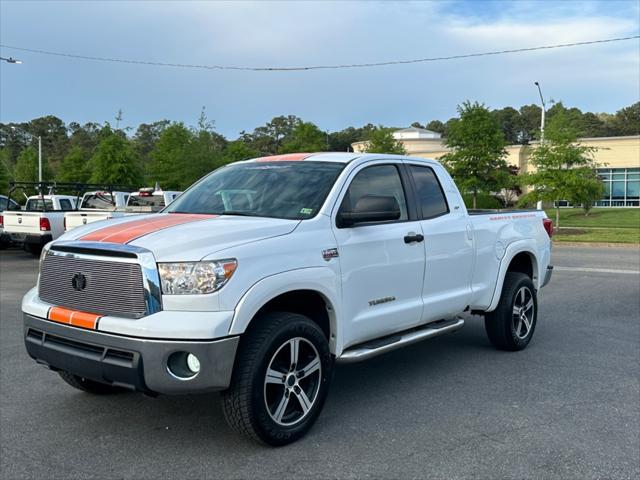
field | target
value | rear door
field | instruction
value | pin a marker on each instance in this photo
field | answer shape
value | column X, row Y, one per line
column 381, row 273
column 448, row 246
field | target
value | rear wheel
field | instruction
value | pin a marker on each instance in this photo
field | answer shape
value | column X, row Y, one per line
column 280, row 380
column 87, row 385
column 511, row 325
column 33, row 249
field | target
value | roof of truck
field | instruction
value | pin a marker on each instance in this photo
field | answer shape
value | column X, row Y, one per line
column 341, row 157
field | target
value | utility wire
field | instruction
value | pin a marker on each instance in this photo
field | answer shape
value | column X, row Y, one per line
column 315, row 67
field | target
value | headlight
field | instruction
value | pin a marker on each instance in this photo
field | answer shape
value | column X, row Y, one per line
column 195, row 277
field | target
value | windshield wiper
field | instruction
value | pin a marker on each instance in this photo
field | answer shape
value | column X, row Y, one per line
column 238, row 213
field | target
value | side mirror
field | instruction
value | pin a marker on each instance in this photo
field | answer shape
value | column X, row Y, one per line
column 371, row 208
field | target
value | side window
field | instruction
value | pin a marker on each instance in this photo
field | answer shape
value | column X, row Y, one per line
column 382, row 180
column 431, row 198
column 65, row 204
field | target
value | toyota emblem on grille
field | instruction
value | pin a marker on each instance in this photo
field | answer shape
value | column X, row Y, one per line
column 79, row 282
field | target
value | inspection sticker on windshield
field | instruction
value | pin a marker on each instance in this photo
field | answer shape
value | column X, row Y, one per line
column 306, row 211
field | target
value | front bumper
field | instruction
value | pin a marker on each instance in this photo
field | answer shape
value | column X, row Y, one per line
column 135, row 363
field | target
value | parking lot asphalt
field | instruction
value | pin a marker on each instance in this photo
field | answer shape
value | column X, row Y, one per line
column 453, row 407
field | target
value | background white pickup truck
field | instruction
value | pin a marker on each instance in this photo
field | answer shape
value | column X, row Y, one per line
column 41, row 221
column 265, row 272
column 96, row 206
column 6, row 204
column 148, row 200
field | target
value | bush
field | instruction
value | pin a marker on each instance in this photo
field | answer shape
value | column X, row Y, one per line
column 484, row 201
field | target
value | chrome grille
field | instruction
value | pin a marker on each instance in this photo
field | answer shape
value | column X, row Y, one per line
column 111, row 288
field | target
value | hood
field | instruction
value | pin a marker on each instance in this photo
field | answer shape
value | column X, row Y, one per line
column 183, row 237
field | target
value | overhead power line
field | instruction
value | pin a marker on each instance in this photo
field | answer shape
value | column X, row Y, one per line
column 316, row 67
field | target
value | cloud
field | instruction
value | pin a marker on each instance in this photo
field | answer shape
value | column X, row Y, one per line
column 598, row 77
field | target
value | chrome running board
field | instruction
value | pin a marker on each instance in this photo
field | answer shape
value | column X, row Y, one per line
column 386, row 344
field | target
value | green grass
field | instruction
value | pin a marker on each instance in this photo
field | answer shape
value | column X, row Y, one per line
column 598, row 235
column 598, row 217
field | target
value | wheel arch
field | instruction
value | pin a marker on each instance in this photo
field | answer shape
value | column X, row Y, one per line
column 519, row 257
column 310, row 292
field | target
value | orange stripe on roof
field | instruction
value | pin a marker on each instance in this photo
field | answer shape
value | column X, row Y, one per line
column 289, row 157
column 73, row 317
column 129, row 231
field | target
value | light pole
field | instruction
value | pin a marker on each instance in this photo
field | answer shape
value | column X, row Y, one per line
column 543, row 112
column 39, row 150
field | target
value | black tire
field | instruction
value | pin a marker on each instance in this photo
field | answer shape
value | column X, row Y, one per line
column 506, row 329
column 89, row 386
column 33, row 249
column 246, row 402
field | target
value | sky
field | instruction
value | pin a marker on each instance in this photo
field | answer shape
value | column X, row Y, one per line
column 598, row 78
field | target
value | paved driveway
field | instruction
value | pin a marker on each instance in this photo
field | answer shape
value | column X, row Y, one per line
column 567, row 407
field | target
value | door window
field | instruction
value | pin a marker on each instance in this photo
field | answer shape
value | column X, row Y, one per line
column 431, row 198
column 380, row 180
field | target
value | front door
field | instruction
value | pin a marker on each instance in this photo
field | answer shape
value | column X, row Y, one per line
column 381, row 271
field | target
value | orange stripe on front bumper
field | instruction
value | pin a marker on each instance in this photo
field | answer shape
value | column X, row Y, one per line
column 129, row 231
column 73, row 317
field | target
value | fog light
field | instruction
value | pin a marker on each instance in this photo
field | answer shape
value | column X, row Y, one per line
column 193, row 363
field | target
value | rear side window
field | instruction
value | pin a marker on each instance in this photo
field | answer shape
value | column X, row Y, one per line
column 37, row 205
column 99, row 200
column 382, row 180
column 431, row 198
column 65, row 204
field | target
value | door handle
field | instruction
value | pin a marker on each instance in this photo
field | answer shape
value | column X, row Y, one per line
column 413, row 237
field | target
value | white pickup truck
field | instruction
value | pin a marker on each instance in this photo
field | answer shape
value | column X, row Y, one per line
column 5, row 204
column 148, row 200
column 96, row 206
column 266, row 271
column 41, row 221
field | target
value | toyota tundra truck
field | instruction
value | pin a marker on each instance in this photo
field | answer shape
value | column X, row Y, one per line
column 266, row 272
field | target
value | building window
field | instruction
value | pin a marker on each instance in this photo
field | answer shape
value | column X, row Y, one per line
column 622, row 187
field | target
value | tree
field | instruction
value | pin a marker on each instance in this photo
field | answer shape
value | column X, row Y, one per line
column 170, row 155
column 75, row 166
column 477, row 157
column 5, row 172
column 115, row 160
column 530, row 116
column 436, row 126
column 564, row 169
column 342, row 140
column 237, row 151
column 305, row 137
column 145, row 140
column 27, row 166
column 381, row 140
column 627, row 120
column 269, row 138
column 510, row 123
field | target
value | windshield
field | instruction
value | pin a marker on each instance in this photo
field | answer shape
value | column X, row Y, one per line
column 35, row 205
column 99, row 200
column 292, row 190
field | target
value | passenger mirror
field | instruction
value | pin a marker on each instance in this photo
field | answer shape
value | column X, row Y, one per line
column 370, row 208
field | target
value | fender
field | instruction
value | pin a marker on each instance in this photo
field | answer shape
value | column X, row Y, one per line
column 514, row 248
column 319, row 279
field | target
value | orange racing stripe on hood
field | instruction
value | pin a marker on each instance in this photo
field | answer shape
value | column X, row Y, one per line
column 128, row 232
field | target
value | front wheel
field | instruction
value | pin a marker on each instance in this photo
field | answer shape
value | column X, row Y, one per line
column 511, row 325
column 280, row 380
